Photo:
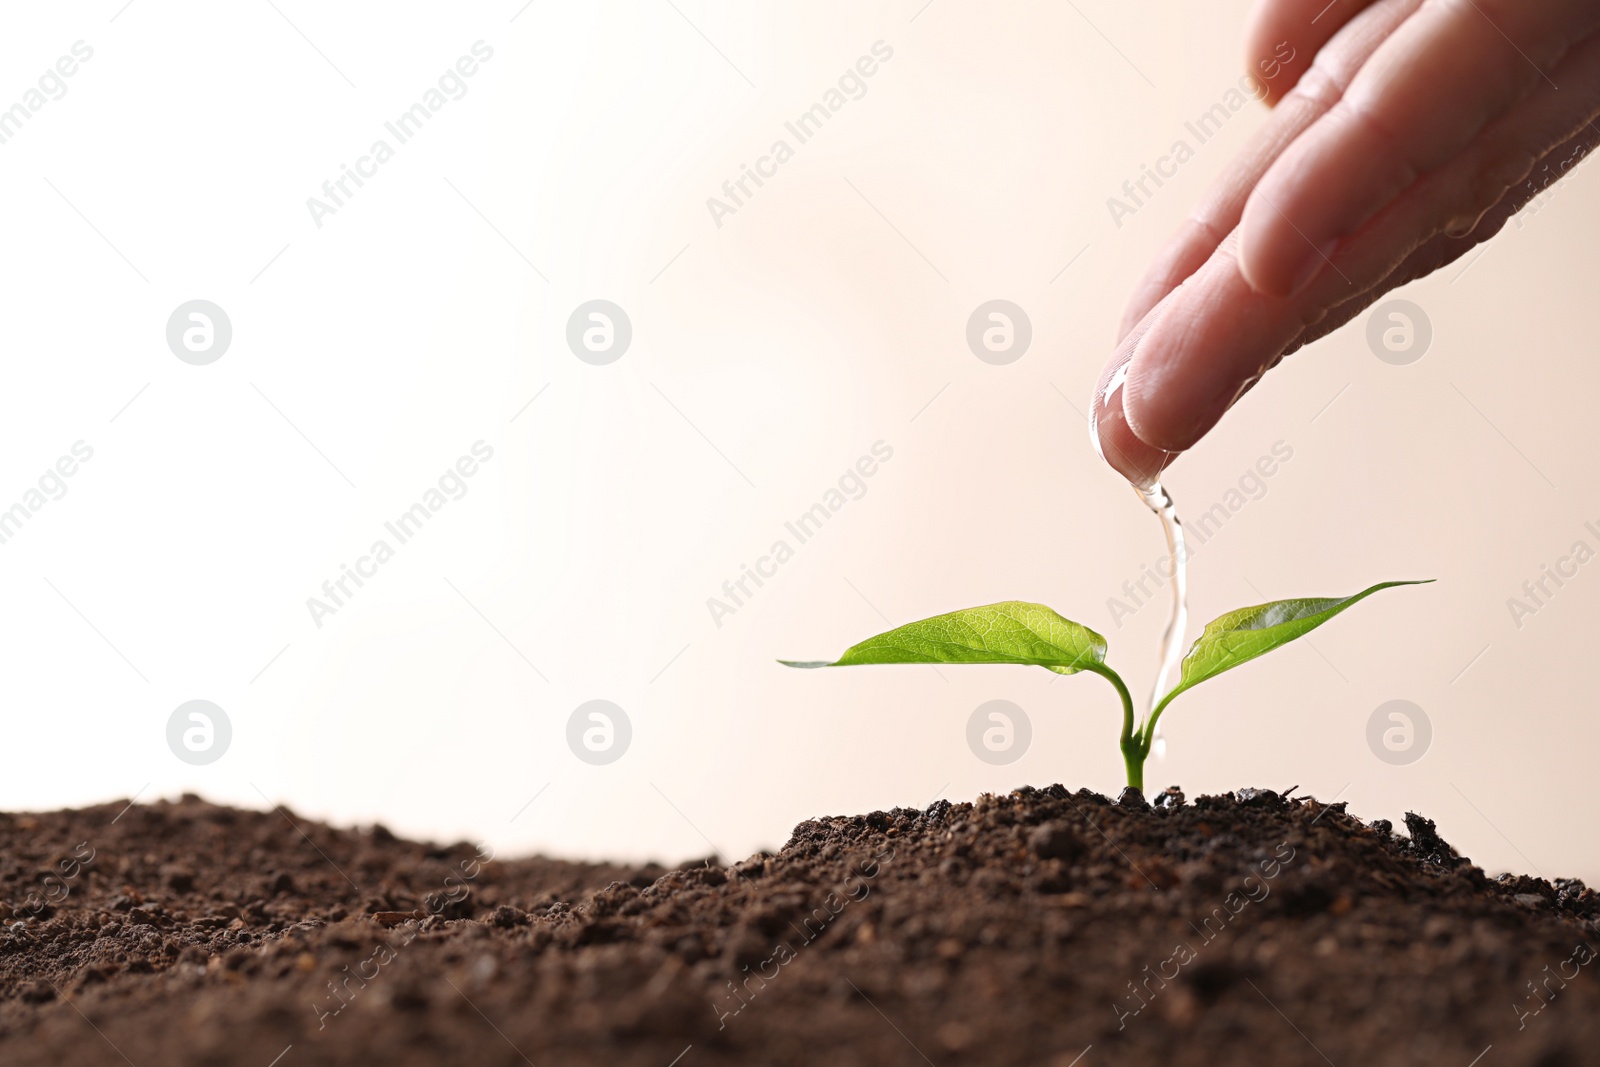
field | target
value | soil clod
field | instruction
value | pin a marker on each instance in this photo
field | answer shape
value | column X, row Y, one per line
column 1055, row 841
column 1169, row 799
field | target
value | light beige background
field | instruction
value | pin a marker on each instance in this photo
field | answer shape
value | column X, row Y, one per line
column 769, row 353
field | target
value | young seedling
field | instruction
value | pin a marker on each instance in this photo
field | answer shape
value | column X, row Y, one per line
column 1018, row 632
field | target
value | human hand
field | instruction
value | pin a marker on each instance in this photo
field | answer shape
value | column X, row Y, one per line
column 1420, row 128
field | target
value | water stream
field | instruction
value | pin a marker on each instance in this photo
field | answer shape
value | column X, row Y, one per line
column 1158, row 500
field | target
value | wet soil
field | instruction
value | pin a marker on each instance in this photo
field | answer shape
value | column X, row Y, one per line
column 1039, row 928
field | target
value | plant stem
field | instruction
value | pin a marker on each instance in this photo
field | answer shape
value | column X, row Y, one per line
column 1135, row 746
column 1133, row 755
column 1147, row 735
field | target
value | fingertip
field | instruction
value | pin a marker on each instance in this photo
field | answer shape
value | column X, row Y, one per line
column 1169, row 407
column 1126, row 454
column 1110, row 432
column 1275, row 258
column 1263, row 36
column 1197, row 354
column 1283, row 37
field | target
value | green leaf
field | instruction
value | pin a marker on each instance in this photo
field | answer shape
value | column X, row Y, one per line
column 1009, row 632
column 1247, row 633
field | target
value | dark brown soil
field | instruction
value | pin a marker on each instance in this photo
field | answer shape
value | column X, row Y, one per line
column 1022, row 929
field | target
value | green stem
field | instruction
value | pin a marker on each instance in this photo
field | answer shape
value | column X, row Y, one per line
column 1147, row 735
column 1133, row 754
column 1135, row 746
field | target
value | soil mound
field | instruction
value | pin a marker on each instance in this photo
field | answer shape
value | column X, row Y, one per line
column 1041, row 927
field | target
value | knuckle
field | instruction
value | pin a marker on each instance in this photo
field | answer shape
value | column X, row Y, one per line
column 1320, row 86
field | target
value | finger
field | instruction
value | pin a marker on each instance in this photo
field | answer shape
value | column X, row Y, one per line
column 1109, row 432
column 1215, row 335
column 1444, row 249
column 1291, row 28
column 1315, row 92
column 1418, row 102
